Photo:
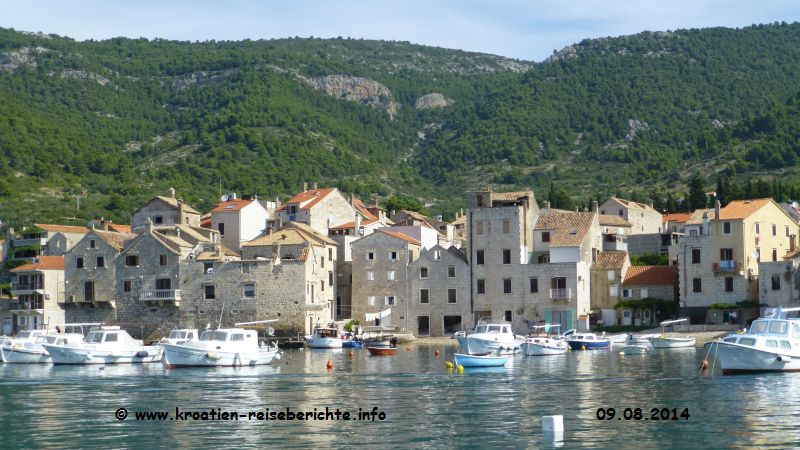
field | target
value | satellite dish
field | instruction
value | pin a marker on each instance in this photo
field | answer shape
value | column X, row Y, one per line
column 271, row 331
column 754, row 255
column 224, row 198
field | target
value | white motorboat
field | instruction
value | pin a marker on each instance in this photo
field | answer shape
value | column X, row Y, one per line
column 27, row 352
column 616, row 339
column 543, row 345
column 635, row 349
column 108, row 345
column 496, row 338
column 223, row 347
column 179, row 336
column 772, row 344
column 665, row 341
column 22, row 338
column 640, row 339
column 324, row 337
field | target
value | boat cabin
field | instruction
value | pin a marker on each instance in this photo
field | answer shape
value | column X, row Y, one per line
column 493, row 328
column 326, row 332
column 230, row 335
column 768, row 328
column 183, row 335
column 584, row 337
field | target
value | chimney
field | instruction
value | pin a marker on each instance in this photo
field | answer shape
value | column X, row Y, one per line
column 792, row 243
column 277, row 202
column 255, row 197
column 233, row 196
column 357, row 227
column 314, row 185
column 705, row 224
column 650, row 203
column 172, row 192
column 716, row 209
column 594, row 206
column 547, row 204
column 304, row 187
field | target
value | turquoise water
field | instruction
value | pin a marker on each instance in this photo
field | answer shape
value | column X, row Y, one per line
column 424, row 405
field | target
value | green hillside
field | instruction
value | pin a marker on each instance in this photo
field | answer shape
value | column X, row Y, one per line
column 115, row 122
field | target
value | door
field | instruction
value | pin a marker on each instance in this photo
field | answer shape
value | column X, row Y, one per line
column 7, row 330
column 562, row 318
column 423, row 326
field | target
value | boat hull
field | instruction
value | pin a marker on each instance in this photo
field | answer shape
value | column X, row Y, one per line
column 320, row 342
column 75, row 355
column 543, row 347
column 480, row 360
column 488, row 345
column 662, row 342
column 589, row 345
column 176, row 356
column 736, row 359
column 352, row 344
column 23, row 355
column 382, row 351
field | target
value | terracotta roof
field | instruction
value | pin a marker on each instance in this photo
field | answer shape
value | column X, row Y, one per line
column 610, row 259
column 741, row 209
column 510, row 196
column 292, row 233
column 569, row 227
column 651, row 275
column 362, row 208
column 205, row 221
column 42, row 263
column 116, row 240
column 675, row 217
column 349, row 225
column 634, row 205
column 697, row 216
column 402, row 236
column 61, row 228
column 117, row 228
column 213, row 256
column 308, row 199
column 612, row 221
column 232, row 205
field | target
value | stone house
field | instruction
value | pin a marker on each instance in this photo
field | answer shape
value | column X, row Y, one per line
column 615, row 231
column 37, row 291
column 643, row 282
column 720, row 264
column 90, row 269
column 321, row 209
column 41, row 239
column 438, row 293
column 344, row 235
column 676, row 222
column 239, row 220
column 379, row 283
column 294, row 276
column 164, row 211
column 779, row 281
column 608, row 272
column 643, row 218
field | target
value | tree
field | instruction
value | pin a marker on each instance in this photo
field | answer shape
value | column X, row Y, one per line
column 697, row 194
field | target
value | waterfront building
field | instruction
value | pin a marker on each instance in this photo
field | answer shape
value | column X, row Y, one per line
column 41, row 239
column 779, row 281
column 37, row 290
column 648, row 283
column 239, row 220
column 607, row 274
column 439, row 300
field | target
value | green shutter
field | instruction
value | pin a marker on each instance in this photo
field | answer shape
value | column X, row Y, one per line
column 548, row 316
column 570, row 320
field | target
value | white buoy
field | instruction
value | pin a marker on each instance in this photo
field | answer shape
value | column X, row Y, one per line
column 553, row 428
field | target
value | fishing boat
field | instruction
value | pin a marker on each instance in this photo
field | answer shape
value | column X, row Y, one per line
column 491, row 338
column 180, row 336
column 222, row 347
column 616, row 339
column 26, row 352
column 772, row 344
column 543, row 345
column 664, row 341
column 324, row 337
column 382, row 351
column 588, row 341
column 108, row 345
column 473, row 360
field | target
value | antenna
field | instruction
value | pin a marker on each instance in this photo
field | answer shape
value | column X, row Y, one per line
column 219, row 323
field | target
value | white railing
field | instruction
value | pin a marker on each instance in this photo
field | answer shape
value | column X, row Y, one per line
column 560, row 294
column 160, row 294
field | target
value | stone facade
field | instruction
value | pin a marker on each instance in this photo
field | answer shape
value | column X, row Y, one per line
column 643, row 218
column 779, row 283
column 164, row 211
column 607, row 275
column 439, row 301
column 321, row 209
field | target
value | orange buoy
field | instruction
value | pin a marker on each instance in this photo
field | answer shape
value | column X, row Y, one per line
column 408, row 349
column 436, row 353
column 704, row 365
column 330, row 364
column 351, row 353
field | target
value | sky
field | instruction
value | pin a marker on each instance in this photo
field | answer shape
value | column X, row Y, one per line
column 529, row 30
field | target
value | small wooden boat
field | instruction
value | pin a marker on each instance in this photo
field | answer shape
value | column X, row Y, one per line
column 635, row 349
column 483, row 360
column 382, row 351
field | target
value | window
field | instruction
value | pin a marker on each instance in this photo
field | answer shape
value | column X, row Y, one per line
column 774, row 230
column 479, row 257
column 507, row 315
column 371, row 300
column 79, row 263
column 543, row 259
column 111, row 337
column 506, row 285
column 126, row 286
column 91, row 243
column 163, row 284
column 392, row 256
column 620, row 212
column 158, row 220
column 370, row 256
column 613, row 291
column 626, row 293
column 481, row 286
column 451, row 272
column 292, row 209
column 451, row 296
column 695, row 256
column 758, row 228
column 726, row 254
column 370, row 275
column 437, row 254
column 479, row 227
column 774, row 254
column 221, row 228
column 726, row 228
column 132, row 260
column 209, row 292
column 545, row 236
column 101, row 262
column 728, row 284
column 330, row 254
column 389, row 300
column 423, row 272
column 787, row 230
column 390, row 275
column 611, row 275
column 162, row 260
column 322, row 261
column 330, row 278
column 506, row 227
column 88, row 291
column 208, row 268
column 776, row 282
column 534, row 282
column 423, row 296
column 697, row 285
column 506, row 256
column 246, row 268
column 322, row 285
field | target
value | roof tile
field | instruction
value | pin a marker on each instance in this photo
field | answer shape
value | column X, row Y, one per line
column 651, row 276
column 42, row 263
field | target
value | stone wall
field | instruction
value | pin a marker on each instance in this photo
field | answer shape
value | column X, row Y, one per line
column 440, row 264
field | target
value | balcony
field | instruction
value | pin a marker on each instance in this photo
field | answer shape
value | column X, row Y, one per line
column 29, row 242
column 27, row 288
column 161, row 295
column 561, row 294
column 726, row 266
